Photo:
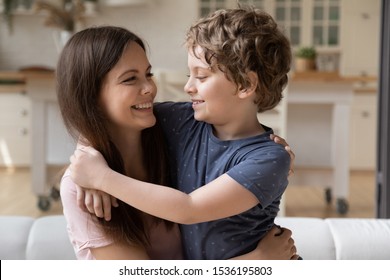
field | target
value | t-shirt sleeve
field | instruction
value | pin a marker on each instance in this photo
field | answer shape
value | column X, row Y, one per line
column 174, row 117
column 265, row 174
column 84, row 233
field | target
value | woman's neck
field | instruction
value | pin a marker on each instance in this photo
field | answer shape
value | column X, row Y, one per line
column 130, row 148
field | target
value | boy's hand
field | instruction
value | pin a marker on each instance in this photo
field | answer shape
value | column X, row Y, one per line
column 88, row 168
column 96, row 202
column 282, row 141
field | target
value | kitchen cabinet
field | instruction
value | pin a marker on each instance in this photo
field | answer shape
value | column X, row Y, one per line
column 15, row 134
column 318, row 130
column 363, row 129
column 121, row 3
column 52, row 144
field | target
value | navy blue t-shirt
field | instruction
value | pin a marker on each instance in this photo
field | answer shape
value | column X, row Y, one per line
column 198, row 157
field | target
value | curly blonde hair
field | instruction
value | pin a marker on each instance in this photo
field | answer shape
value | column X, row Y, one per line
column 241, row 40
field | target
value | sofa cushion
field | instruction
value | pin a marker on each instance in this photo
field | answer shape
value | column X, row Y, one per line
column 309, row 233
column 13, row 237
column 361, row 239
column 48, row 240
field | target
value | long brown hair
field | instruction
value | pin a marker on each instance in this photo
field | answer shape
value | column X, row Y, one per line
column 83, row 64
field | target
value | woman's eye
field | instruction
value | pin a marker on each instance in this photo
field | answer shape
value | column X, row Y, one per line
column 129, row 80
column 201, row 77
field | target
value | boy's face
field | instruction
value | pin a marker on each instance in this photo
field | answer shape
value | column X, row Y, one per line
column 214, row 98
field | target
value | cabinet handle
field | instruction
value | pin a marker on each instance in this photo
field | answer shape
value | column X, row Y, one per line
column 23, row 112
column 23, row 131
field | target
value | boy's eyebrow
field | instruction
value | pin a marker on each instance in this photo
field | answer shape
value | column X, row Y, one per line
column 201, row 68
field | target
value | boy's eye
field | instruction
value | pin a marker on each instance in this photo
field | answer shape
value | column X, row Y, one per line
column 149, row 75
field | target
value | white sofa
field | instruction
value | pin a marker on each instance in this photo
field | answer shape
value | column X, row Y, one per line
column 316, row 239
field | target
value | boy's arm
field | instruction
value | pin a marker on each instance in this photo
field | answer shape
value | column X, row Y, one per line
column 220, row 198
column 100, row 203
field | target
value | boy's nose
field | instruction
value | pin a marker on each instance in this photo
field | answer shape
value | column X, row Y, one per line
column 189, row 87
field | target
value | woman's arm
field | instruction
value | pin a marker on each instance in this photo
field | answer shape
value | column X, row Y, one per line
column 220, row 198
column 86, row 234
column 119, row 251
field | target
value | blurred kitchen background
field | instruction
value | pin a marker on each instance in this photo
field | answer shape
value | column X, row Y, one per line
column 328, row 115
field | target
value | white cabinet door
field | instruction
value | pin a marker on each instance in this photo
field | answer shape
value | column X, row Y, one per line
column 15, row 139
column 363, row 131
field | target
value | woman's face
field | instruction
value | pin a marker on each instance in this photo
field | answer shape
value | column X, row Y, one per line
column 128, row 91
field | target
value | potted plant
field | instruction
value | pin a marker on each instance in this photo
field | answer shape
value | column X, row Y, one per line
column 64, row 17
column 8, row 7
column 305, row 59
column 63, row 14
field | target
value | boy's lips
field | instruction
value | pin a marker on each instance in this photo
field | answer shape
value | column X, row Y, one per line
column 196, row 101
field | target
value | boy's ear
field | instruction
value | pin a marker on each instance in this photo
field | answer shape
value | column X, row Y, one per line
column 250, row 90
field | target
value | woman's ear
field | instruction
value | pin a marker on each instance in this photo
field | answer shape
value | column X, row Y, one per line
column 251, row 89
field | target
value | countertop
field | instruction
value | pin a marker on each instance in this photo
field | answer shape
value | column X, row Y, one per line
column 14, row 81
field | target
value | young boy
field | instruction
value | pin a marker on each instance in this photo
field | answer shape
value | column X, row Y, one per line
column 230, row 174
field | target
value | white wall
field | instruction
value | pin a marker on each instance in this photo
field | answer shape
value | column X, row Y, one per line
column 161, row 24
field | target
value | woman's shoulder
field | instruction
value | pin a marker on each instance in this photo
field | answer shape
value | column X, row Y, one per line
column 67, row 187
column 83, row 229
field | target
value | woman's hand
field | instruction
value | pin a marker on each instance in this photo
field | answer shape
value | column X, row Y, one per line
column 277, row 244
column 279, row 140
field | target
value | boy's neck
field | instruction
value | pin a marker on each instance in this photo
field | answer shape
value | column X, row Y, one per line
column 235, row 131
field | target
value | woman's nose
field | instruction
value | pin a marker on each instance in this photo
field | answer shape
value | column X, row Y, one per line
column 149, row 87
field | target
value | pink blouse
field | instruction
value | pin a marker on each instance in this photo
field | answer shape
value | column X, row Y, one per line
column 85, row 234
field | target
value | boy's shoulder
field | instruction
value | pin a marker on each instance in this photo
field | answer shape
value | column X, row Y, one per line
column 264, row 146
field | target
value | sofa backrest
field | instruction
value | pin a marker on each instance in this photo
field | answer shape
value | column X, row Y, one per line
column 313, row 239
column 14, row 232
column 46, row 238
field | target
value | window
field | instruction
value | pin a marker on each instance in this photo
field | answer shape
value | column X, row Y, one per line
column 255, row 3
column 288, row 14
column 209, row 6
column 326, row 22
column 305, row 22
